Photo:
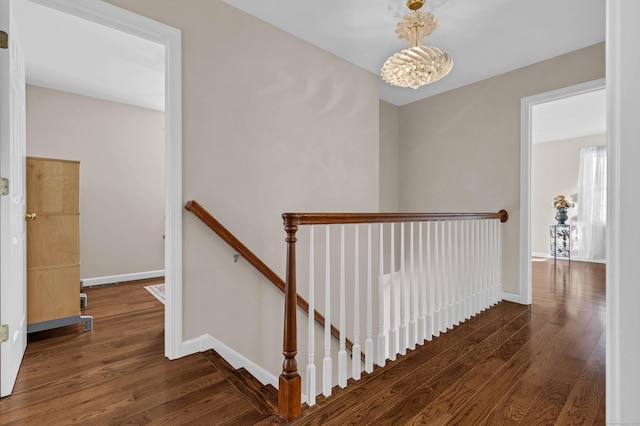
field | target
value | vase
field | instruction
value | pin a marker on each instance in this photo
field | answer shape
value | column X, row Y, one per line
column 561, row 217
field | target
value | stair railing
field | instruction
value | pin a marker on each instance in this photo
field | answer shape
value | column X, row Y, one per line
column 457, row 275
column 202, row 214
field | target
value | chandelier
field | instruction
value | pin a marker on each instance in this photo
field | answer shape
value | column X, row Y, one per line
column 418, row 65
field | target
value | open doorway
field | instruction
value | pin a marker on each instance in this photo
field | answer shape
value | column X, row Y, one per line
column 168, row 39
column 573, row 137
column 568, row 159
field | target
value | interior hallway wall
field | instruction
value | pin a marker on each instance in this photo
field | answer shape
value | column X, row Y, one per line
column 460, row 150
column 121, row 152
column 282, row 127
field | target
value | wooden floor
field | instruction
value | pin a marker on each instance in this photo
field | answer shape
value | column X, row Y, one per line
column 542, row 364
column 533, row 365
column 117, row 373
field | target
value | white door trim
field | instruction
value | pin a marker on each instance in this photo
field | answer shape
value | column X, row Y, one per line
column 121, row 19
column 526, row 114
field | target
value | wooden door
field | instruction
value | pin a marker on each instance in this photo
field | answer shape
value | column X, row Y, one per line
column 53, row 239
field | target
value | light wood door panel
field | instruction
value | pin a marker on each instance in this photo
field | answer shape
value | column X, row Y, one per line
column 57, row 291
column 53, row 239
column 53, row 186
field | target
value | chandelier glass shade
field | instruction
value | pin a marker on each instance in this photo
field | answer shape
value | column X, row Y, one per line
column 418, row 65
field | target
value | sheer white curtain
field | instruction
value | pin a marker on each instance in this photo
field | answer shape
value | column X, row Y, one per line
column 592, row 203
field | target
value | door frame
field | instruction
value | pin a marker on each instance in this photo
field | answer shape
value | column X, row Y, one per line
column 120, row 19
column 526, row 121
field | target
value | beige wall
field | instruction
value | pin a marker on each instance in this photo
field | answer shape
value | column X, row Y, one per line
column 270, row 124
column 389, row 157
column 121, row 153
column 460, row 150
column 554, row 170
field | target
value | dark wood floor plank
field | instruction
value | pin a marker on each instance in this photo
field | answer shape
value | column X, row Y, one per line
column 215, row 402
column 411, row 391
column 586, row 400
column 445, row 378
column 456, row 397
column 452, row 399
column 548, row 404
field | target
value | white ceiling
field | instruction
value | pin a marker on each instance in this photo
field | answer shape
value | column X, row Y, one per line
column 71, row 54
column 485, row 38
column 580, row 115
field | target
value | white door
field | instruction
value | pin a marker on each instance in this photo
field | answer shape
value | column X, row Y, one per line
column 13, row 301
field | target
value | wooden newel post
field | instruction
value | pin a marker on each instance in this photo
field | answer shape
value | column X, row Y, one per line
column 290, row 383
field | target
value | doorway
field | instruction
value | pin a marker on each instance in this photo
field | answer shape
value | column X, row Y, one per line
column 528, row 106
column 102, row 13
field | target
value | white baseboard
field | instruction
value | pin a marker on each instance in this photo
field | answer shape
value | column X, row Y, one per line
column 538, row 254
column 206, row 342
column 512, row 297
column 192, row 346
column 576, row 258
column 88, row 282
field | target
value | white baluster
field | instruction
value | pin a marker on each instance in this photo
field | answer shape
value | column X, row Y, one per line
column 412, row 313
column 444, row 284
column 437, row 297
column 492, row 280
column 494, row 251
column 498, row 263
column 402, row 347
column 499, row 237
column 465, row 270
column 485, row 258
column 461, row 272
column 472, row 268
column 483, row 266
column 428, row 325
column 492, row 248
column 368, row 344
column 392, row 298
column 451, row 280
column 381, row 340
column 342, row 353
column 478, row 303
column 311, row 366
column 356, row 366
column 481, row 254
column 421, row 291
column 326, row 362
column 456, row 279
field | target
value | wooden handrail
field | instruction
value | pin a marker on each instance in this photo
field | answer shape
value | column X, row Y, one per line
column 289, row 392
column 349, row 218
column 202, row 214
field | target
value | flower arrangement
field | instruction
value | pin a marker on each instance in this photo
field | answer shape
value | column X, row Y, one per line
column 561, row 204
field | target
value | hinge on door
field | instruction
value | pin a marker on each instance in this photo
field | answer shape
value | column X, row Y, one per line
column 4, row 40
column 4, row 333
column 4, row 186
